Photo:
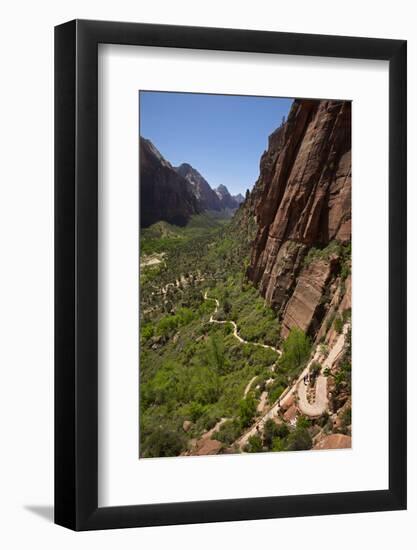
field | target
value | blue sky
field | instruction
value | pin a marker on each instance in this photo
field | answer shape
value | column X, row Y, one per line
column 221, row 136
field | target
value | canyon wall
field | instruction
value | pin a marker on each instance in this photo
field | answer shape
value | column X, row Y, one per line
column 164, row 194
column 302, row 206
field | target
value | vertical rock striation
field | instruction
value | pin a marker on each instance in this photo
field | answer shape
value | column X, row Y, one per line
column 302, row 199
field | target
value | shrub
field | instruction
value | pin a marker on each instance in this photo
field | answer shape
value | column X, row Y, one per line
column 217, row 354
column 324, row 348
column 324, row 418
column 275, row 391
column 296, row 350
column 278, row 444
column 338, row 324
column 322, row 253
column 147, row 332
column 330, row 320
column 346, row 315
column 167, row 325
column 163, row 442
column 254, row 444
column 247, row 410
column 270, row 431
column 283, row 431
column 194, row 411
column 228, row 432
column 299, row 440
column 315, row 369
column 344, row 272
column 303, row 422
column 347, row 418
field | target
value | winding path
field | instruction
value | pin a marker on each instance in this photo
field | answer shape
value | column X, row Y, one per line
column 235, row 332
column 248, row 387
column 320, row 403
column 309, row 409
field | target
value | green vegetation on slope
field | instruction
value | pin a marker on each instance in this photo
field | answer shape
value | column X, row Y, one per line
column 191, row 369
column 194, row 373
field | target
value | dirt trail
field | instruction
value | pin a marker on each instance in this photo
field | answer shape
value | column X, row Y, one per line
column 216, row 428
column 235, row 329
column 262, row 402
column 320, row 403
column 309, row 409
column 272, row 412
column 248, row 387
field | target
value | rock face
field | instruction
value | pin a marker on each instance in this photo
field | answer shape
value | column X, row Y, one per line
column 164, row 194
column 302, row 201
column 334, row 441
column 204, row 194
column 303, row 307
column 226, row 199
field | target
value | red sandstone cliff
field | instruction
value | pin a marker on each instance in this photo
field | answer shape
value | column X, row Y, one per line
column 302, row 200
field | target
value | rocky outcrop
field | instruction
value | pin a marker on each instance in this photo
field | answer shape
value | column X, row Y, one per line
column 207, row 447
column 164, row 194
column 204, row 194
column 334, row 441
column 302, row 200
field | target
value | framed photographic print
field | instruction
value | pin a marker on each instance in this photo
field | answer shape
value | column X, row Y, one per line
column 230, row 275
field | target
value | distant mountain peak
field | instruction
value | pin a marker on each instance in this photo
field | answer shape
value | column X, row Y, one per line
column 226, row 198
column 222, row 189
column 205, row 195
column 239, row 198
column 185, row 167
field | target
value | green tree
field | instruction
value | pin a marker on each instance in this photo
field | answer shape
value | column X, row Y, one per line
column 247, row 410
column 278, row 444
column 296, row 350
column 283, row 431
column 217, row 354
column 228, row 432
column 315, row 369
column 147, row 331
column 270, row 431
column 338, row 324
column 227, row 307
column 163, row 442
column 300, row 440
column 254, row 444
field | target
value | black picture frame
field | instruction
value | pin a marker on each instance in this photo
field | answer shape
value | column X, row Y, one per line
column 76, row 272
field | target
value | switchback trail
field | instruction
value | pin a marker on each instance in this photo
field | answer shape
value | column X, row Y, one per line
column 309, row 409
column 319, row 405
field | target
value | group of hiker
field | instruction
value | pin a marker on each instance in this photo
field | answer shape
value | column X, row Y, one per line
column 309, row 378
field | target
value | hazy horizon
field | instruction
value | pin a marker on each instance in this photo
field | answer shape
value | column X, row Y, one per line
column 221, row 136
